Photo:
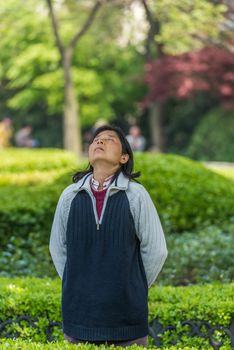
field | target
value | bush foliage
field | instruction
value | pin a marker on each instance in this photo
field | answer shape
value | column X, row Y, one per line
column 30, row 184
column 188, row 197
column 64, row 345
column 204, row 256
column 194, row 257
column 213, row 137
column 40, row 298
column 186, row 193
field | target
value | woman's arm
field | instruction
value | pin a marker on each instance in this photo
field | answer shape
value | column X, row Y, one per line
column 57, row 244
column 149, row 231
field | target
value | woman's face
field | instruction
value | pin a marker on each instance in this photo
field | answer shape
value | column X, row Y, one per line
column 106, row 147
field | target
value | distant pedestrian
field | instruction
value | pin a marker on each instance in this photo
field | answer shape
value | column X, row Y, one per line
column 5, row 133
column 23, row 137
column 135, row 139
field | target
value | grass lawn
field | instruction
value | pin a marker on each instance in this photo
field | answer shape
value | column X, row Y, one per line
column 225, row 169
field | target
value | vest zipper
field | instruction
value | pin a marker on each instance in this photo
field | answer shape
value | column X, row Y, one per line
column 98, row 222
column 104, row 207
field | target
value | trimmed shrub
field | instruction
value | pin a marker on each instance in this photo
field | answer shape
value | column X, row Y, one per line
column 30, row 184
column 186, row 193
column 8, row 344
column 64, row 345
column 18, row 160
column 187, row 196
column 213, row 137
column 40, row 298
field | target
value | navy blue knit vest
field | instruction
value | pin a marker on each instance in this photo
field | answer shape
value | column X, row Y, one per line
column 104, row 287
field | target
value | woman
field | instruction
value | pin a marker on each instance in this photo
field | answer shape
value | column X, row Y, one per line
column 108, row 246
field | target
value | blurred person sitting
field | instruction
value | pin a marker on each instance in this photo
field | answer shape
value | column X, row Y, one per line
column 23, row 137
column 136, row 140
column 5, row 133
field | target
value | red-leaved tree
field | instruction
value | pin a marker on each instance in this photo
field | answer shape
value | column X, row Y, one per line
column 210, row 69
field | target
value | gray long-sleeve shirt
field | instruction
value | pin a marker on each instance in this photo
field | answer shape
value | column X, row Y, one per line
column 147, row 223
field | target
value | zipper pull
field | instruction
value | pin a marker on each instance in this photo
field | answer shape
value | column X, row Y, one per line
column 98, row 226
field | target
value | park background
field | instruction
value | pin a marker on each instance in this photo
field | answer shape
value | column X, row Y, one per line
column 167, row 66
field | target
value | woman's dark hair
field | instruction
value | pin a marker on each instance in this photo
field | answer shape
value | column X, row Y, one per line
column 126, row 168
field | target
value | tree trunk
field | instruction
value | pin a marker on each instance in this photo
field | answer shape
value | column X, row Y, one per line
column 72, row 140
column 156, row 127
column 72, row 135
column 156, row 116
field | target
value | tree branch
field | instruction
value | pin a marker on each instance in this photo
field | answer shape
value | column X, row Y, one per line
column 55, row 28
column 86, row 25
column 148, row 13
column 154, row 29
column 222, row 44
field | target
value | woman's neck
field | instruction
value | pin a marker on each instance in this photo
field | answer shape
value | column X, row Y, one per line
column 100, row 174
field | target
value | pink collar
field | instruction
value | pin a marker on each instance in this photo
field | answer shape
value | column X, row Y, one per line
column 95, row 184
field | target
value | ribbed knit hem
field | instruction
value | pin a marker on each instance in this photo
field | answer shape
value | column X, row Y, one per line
column 92, row 334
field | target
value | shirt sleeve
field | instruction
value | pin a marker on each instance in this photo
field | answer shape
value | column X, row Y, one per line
column 153, row 246
column 57, row 244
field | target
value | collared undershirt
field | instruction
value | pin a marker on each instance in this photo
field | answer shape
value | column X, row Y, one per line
column 95, row 184
column 100, row 194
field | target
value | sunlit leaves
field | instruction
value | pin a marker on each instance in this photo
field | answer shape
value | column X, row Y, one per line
column 30, row 74
column 185, row 24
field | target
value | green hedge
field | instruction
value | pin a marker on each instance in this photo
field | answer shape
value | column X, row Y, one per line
column 40, row 298
column 25, row 345
column 30, row 184
column 18, row 160
column 213, row 137
column 186, row 193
